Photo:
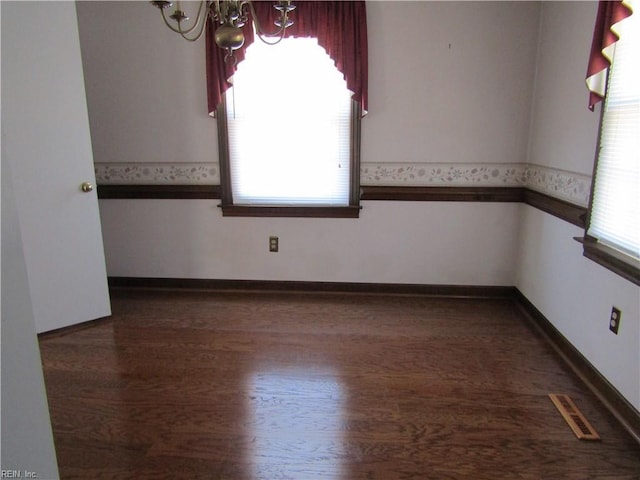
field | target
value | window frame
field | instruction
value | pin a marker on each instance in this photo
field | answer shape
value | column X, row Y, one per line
column 230, row 209
column 612, row 259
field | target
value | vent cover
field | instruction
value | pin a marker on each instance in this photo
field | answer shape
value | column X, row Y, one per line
column 580, row 425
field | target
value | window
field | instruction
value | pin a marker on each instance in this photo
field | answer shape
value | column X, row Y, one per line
column 613, row 230
column 290, row 134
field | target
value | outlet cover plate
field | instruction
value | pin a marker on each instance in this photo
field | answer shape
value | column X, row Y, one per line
column 273, row 244
column 614, row 321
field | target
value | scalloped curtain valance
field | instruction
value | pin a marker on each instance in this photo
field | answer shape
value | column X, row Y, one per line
column 610, row 12
column 339, row 26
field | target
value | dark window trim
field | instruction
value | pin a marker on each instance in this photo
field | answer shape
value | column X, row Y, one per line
column 611, row 259
column 354, row 158
column 587, row 222
column 229, row 209
column 226, row 194
column 289, row 211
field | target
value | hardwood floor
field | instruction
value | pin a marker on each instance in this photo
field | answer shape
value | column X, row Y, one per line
column 245, row 385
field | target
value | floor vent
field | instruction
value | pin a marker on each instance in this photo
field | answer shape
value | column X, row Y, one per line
column 580, row 426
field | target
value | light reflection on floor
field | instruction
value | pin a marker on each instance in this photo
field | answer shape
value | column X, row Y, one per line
column 295, row 425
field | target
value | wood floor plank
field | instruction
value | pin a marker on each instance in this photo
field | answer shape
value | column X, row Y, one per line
column 249, row 386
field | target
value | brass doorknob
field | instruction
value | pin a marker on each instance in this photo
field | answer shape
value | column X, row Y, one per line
column 86, row 187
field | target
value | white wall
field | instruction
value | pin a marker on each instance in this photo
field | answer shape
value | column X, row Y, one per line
column 146, row 88
column 448, row 82
column 392, row 242
column 574, row 293
column 446, row 86
column 563, row 131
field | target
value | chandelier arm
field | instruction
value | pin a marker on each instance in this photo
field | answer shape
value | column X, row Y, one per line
column 233, row 20
column 179, row 29
column 278, row 40
column 261, row 33
column 184, row 33
column 166, row 22
column 199, row 34
column 196, row 21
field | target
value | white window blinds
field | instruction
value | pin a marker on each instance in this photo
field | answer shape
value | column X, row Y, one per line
column 289, row 120
column 615, row 210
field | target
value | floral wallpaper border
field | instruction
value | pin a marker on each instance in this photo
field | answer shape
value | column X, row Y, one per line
column 443, row 174
column 569, row 186
column 157, row 174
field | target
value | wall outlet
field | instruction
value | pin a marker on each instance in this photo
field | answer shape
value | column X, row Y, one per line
column 614, row 321
column 273, row 244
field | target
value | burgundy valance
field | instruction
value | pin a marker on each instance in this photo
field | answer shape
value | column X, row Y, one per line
column 339, row 26
column 610, row 12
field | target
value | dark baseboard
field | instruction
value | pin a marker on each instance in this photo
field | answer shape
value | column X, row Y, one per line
column 460, row 291
column 76, row 327
column 610, row 397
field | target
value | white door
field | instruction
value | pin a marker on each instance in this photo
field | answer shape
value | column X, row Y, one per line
column 45, row 136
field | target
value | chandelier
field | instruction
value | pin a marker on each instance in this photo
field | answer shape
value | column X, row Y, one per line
column 231, row 15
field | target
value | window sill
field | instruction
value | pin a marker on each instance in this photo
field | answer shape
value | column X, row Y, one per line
column 611, row 259
column 294, row 211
